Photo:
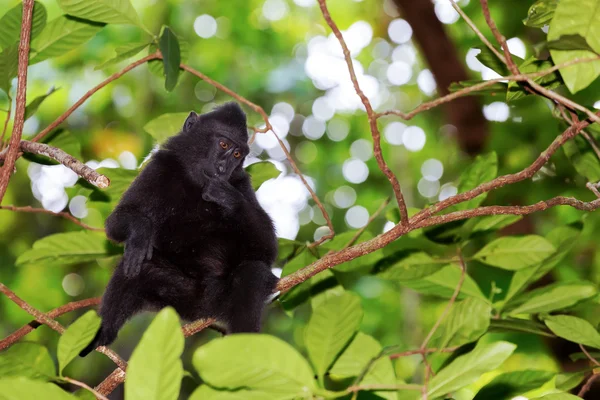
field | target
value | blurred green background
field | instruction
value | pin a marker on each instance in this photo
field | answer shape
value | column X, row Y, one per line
column 280, row 55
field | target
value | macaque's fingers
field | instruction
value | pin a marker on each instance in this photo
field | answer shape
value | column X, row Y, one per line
column 149, row 253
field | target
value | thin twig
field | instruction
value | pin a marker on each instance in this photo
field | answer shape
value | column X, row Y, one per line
column 31, row 326
column 82, row 170
column 371, row 115
column 15, row 138
column 46, row 320
column 84, row 386
column 588, row 385
column 428, row 369
column 371, row 219
column 592, row 142
column 29, row 209
column 589, row 356
column 419, row 351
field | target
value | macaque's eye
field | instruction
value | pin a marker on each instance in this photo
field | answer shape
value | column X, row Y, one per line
column 237, row 154
column 223, row 145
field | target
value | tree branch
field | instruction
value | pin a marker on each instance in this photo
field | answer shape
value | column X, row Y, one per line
column 84, row 386
column 371, row 115
column 15, row 138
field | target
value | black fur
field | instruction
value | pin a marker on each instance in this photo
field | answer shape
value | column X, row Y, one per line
column 195, row 236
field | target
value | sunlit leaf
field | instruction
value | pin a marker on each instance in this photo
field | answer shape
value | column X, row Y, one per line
column 558, row 396
column 155, row 370
column 469, row 367
column 574, row 329
column 20, row 388
column 577, row 17
column 444, row 282
column 468, row 321
column 10, row 24
column 76, row 337
column 330, row 328
column 120, row 180
column 30, row 360
column 554, row 297
column 62, row 35
column 107, row 11
column 511, row 384
column 169, row 47
column 205, row 392
column 514, row 253
column 255, row 362
column 540, row 13
column 261, row 172
column 569, row 380
column 66, row 248
column 413, row 266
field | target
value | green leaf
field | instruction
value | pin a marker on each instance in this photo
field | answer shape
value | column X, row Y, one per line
column 106, row 11
column 583, row 158
column 169, row 47
column 62, row 35
column 577, row 17
column 9, row 64
column 123, row 53
column 20, row 388
column 324, row 286
column 355, row 358
column 490, row 223
column 299, row 293
column 467, row 368
column 261, row 172
column 483, row 169
column 514, row 253
column 120, row 180
column 531, row 65
column 569, row 380
column 570, row 42
column 468, row 321
column 77, row 336
column 444, row 282
column 519, row 325
column 558, row 396
column 414, row 266
column 511, row 384
column 206, row 392
column 10, row 24
column 61, row 139
column 574, row 329
column 157, row 67
column 562, row 238
column 166, row 125
column 554, row 297
column 540, row 13
column 155, row 370
column 30, row 360
column 255, row 362
column 489, row 59
column 35, row 104
column 330, row 328
column 66, row 248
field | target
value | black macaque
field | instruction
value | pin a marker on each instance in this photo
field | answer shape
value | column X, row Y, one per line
column 195, row 235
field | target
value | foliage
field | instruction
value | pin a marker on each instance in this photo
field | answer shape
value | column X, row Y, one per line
column 474, row 298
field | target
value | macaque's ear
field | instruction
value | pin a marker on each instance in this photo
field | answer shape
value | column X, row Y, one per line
column 190, row 121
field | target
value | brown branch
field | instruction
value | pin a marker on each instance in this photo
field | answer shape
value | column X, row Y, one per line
column 29, row 209
column 90, row 92
column 504, row 179
column 6, row 122
column 588, row 385
column 85, row 172
column 589, row 356
column 371, row 115
column 31, row 326
column 46, row 320
column 371, row 219
column 512, row 67
column 84, row 386
column 15, row 138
